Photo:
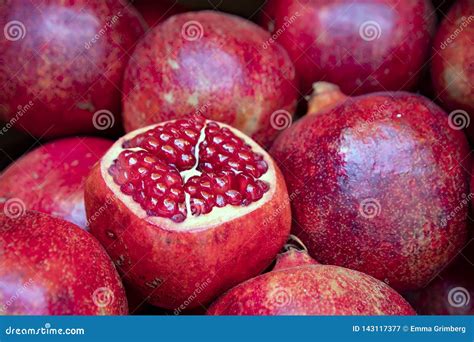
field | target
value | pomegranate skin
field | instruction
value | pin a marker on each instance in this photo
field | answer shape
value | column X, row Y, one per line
column 170, row 75
column 361, row 46
column 63, row 61
column 382, row 186
column 452, row 67
column 311, row 290
column 51, row 178
column 52, row 267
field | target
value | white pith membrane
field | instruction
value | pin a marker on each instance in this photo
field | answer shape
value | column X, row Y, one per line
column 217, row 215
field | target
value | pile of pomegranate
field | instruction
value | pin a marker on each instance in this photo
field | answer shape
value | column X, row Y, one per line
column 315, row 161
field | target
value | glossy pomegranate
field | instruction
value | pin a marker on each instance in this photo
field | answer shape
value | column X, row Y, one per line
column 306, row 288
column 52, row 267
column 213, row 64
column 362, row 46
column 187, row 209
column 381, row 184
column 452, row 65
column 51, row 178
column 62, row 64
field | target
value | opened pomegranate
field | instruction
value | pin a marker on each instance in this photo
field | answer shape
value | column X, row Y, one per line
column 306, row 288
column 49, row 266
column 62, row 64
column 452, row 67
column 362, row 46
column 381, row 184
column 51, row 178
column 214, row 64
column 187, row 209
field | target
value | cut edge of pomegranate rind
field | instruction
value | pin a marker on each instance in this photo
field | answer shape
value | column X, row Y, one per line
column 217, row 216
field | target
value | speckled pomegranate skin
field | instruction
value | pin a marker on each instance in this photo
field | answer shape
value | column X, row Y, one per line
column 382, row 186
column 361, row 46
column 226, row 74
column 452, row 66
column 52, row 267
column 68, row 65
column 51, row 178
column 311, row 289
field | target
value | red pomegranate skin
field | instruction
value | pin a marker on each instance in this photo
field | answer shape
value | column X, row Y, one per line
column 51, row 178
column 382, row 186
column 311, row 289
column 68, row 65
column 361, row 46
column 452, row 65
column 52, row 267
column 226, row 75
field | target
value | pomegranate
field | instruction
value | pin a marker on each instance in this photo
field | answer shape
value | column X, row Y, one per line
column 213, row 64
column 361, row 46
column 452, row 67
column 62, row 63
column 52, row 267
column 154, row 12
column 193, row 208
column 306, row 288
column 381, row 184
column 51, row 178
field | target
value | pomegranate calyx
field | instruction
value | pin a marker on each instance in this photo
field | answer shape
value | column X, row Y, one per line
column 325, row 96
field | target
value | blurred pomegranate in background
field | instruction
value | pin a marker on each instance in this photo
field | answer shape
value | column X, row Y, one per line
column 380, row 182
column 214, row 64
column 62, row 63
column 452, row 67
column 51, row 178
column 361, row 46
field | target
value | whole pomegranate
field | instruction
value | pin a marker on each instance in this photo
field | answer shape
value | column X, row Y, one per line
column 379, row 182
column 213, row 64
column 51, row 178
column 306, row 288
column 362, row 46
column 187, row 209
column 452, row 66
column 52, row 267
column 62, row 63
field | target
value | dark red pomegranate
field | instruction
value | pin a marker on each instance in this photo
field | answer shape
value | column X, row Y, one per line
column 213, row 64
column 311, row 289
column 381, row 184
column 190, row 208
column 62, row 63
column 52, row 267
column 452, row 66
column 362, row 46
column 51, row 178
column 154, row 12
